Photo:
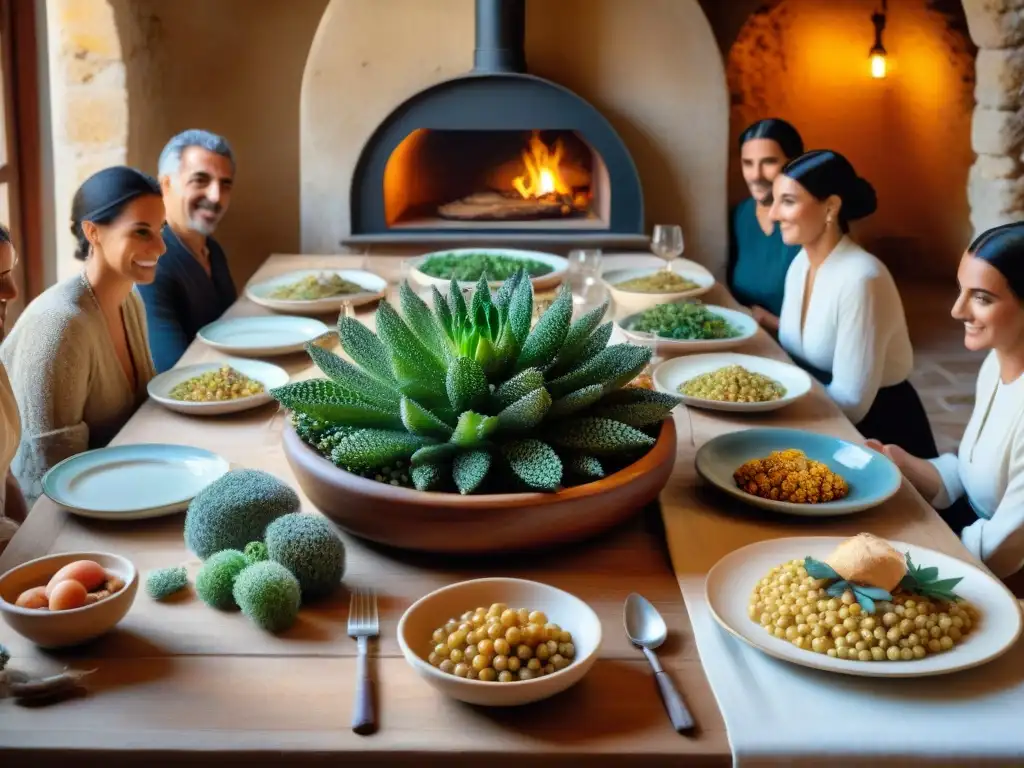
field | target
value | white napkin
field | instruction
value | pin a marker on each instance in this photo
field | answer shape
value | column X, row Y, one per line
column 777, row 713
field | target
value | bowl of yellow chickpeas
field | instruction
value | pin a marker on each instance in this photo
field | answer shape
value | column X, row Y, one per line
column 223, row 386
column 500, row 642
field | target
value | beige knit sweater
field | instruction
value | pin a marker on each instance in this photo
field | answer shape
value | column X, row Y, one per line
column 72, row 393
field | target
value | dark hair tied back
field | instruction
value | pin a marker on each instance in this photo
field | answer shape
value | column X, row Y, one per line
column 103, row 196
column 1003, row 248
column 824, row 173
column 779, row 131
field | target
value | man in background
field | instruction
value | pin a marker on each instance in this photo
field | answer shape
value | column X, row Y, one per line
column 193, row 284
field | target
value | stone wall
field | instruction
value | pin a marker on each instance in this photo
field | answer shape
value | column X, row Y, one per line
column 996, row 186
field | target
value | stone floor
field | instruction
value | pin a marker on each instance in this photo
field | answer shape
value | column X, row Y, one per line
column 944, row 372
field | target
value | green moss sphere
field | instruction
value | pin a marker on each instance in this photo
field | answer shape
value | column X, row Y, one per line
column 216, row 579
column 255, row 552
column 269, row 594
column 307, row 545
column 164, row 582
column 234, row 510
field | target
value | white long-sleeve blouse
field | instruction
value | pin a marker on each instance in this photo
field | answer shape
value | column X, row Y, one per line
column 855, row 326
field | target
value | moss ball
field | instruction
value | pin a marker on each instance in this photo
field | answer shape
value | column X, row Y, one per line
column 216, row 579
column 164, row 582
column 234, row 510
column 269, row 594
column 255, row 552
column 307, row 545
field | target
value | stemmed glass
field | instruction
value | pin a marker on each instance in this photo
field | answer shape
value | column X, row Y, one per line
column 584, row 278
column 667, row 243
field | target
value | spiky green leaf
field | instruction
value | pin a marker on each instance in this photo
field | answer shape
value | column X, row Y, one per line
column 466, row 384
column 373, row 448
column 547, row 335
column 419, row 421
column 597, row 436
column 576, row 401
column 428, row 477
column 584, row 466
column 457, row 304
column 520, row 385
column 417, row 371
column 424, row 324
column 635, row 414
column 525, row 413
column 535, row 463
column 442, row 310
column 520, row 310
column 479, row 303
column 580, row 332
column 326, row 401
column 597, row 341
column 467, row 431
column 469, row 470
column 352, row 380
column 612, row 367
column 504, row 295
column 363, row 346
column 434, row 454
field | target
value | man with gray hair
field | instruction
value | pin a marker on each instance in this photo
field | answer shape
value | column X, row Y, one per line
column 193, row 284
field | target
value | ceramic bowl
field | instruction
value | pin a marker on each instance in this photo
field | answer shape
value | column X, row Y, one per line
column 540, row 283
column 631, row 302
column 671, row 374
column 871, row 476
column 745, row 325
column 270, row 376
column 418, row 623
column 60, row 629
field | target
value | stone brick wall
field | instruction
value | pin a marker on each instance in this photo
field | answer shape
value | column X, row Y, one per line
column 996, row 182
column 89, row 105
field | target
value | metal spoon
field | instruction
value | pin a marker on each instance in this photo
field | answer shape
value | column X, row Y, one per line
column 646, row 629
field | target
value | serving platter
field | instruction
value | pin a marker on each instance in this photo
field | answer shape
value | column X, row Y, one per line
column 266, row 336
column 732, row 579
column 540, row 283
column 746, row 326
column 270, row 376
column 132, row 482
column 261, row 293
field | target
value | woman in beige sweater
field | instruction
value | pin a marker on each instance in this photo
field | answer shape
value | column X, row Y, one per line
column 78, row 357
column 12, row 502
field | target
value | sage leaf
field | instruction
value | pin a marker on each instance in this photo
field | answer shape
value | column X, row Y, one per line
column 816, row 569
column 837, row 589
column 875, row 593
column 944, row 585
column 865, row 602
column 926, row 574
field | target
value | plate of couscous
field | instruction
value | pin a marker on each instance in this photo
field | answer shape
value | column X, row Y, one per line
column 218, row 387
column 732, row 382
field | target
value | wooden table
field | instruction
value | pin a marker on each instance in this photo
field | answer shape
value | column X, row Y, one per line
column 181, row 682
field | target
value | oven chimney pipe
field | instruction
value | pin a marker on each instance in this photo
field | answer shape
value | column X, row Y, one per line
column 500, row 36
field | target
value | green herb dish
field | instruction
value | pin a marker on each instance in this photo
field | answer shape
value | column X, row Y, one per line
column 467, row 265
column 689, row 327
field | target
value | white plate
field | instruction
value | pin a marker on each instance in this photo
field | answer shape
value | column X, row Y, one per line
column 262, row 336
column 744, row 323
column 270, row 376
column 132, row 482
column 732, row 579
column 375, row 286
column 670, row 374
column 629, row 302
column 540, row 283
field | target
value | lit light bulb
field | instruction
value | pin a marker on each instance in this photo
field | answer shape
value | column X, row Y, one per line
column 878, row 65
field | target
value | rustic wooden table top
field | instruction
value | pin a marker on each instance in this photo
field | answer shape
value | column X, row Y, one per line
column 181, row 682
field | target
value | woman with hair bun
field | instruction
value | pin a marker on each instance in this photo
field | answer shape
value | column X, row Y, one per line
column 78, row 357
column 980, row 491
column 842, row 318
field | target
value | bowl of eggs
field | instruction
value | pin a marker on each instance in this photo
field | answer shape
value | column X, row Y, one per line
column 500, row 642
column 69, row 598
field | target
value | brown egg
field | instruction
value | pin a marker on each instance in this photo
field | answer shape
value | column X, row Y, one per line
column 89, row 574
column 66, row 595
column 33, row 598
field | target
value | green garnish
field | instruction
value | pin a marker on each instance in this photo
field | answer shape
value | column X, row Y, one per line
column 924, row 582
column 686, row 320
column 864, row 595
column 470, row 267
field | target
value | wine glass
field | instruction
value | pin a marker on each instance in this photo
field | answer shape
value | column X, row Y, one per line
column 667, row 243
column 584, row 271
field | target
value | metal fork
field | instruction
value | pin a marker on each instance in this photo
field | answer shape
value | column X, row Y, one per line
column 363, row 624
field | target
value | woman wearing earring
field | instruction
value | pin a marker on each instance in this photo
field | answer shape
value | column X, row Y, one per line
column 842, row 318
column 78, row 356
column 12, row 503
column 980, row 491
column 758, row 258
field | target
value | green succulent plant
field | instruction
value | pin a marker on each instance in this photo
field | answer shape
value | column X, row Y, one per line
column 473, row 398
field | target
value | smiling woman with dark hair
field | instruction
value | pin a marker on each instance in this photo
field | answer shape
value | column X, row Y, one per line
column 78, row 357
column 980, row 491
column 842, row 318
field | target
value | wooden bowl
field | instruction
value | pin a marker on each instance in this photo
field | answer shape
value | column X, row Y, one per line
column 429, row 521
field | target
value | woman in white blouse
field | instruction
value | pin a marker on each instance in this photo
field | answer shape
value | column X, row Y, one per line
column 842, row 318
column 980, row 491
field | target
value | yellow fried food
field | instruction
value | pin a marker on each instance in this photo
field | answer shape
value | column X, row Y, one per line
column 225, row 383
column 788, row 475
column 733, row 384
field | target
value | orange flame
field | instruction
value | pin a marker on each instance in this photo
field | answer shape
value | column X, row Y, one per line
column 542, row 175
